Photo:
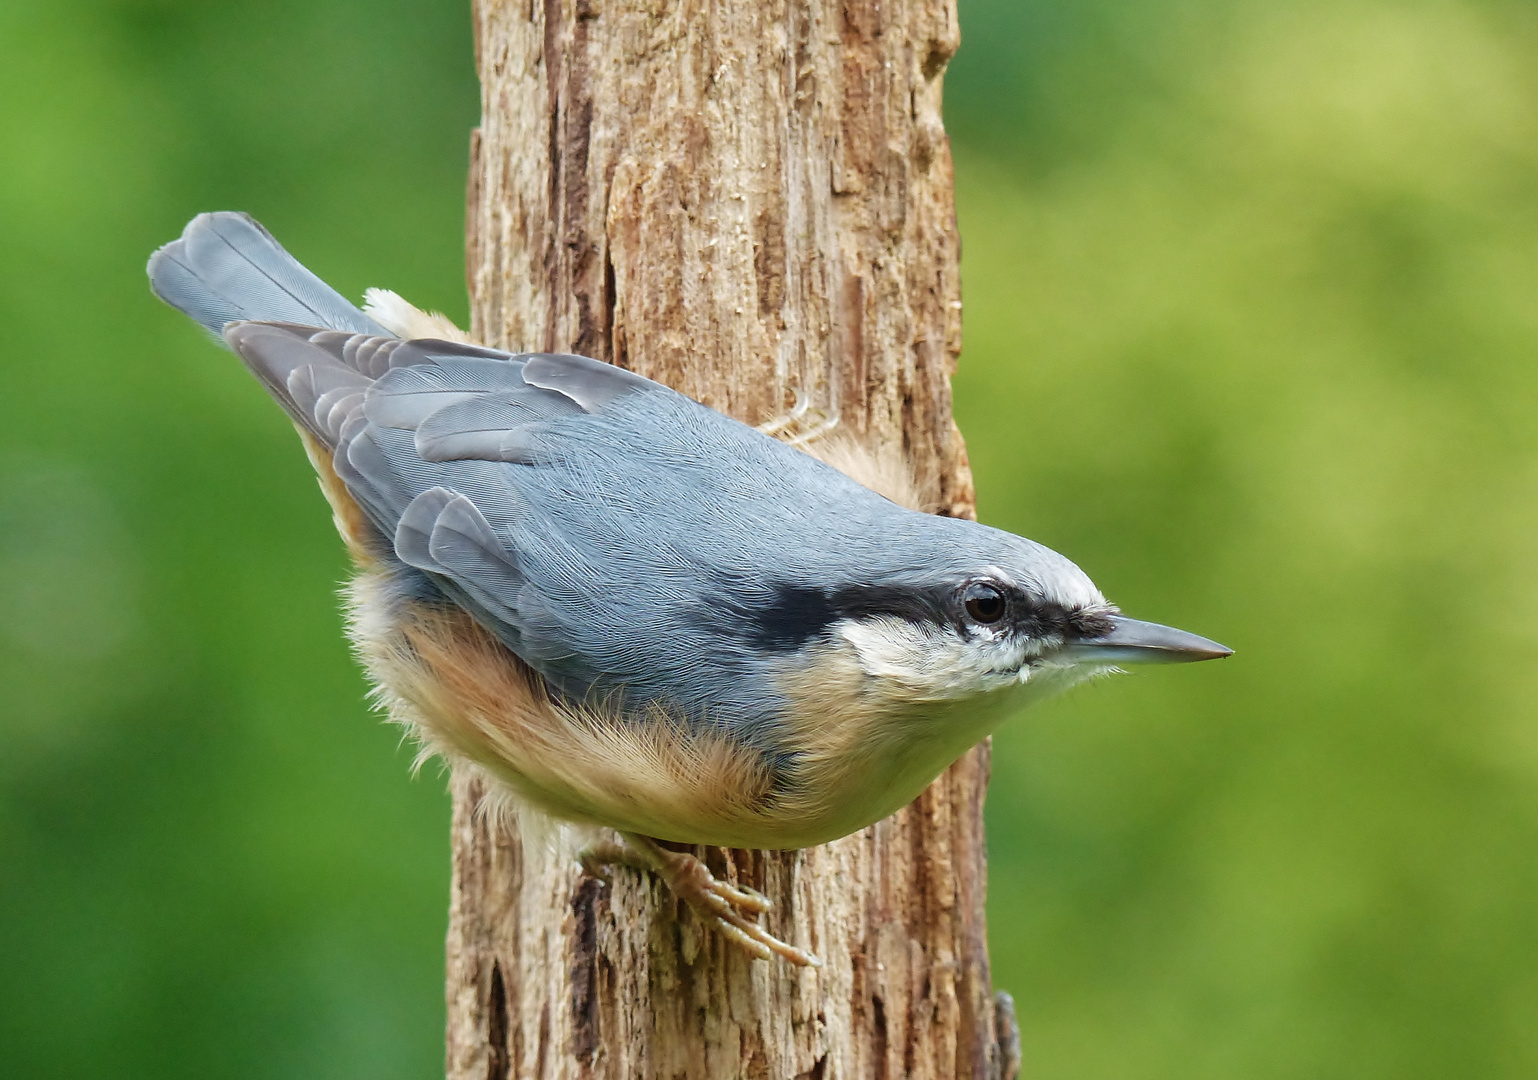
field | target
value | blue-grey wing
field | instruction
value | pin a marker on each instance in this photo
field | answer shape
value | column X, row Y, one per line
column 454, row 454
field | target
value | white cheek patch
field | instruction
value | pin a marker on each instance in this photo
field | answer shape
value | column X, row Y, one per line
column 931, row 662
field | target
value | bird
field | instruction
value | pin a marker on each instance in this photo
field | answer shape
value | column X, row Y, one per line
column 629, row 611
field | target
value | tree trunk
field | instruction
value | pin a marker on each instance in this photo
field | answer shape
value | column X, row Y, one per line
column 751, row 202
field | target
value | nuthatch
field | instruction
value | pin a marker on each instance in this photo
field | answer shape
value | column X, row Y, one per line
column 629, row 610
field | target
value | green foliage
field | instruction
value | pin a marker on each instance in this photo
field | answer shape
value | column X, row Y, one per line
column 1250, row 336
column 1258, row 352
column 215, row 862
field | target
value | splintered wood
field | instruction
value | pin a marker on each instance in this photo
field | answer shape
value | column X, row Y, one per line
column 751, row 202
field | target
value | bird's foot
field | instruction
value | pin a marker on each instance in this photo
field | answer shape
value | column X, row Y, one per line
column 731, row 909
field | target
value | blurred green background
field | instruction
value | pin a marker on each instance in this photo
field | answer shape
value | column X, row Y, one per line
column 1252, row 306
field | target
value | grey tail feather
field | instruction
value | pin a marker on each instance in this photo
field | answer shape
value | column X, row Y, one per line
column 227, row 268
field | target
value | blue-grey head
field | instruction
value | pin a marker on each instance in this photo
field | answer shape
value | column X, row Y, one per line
column 947, row 610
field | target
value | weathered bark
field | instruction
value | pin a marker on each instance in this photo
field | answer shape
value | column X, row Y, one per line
column 752, row 202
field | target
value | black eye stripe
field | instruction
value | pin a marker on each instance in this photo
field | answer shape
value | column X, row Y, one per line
column 795, row 615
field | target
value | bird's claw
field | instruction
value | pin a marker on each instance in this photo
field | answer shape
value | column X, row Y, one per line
column 731, row 909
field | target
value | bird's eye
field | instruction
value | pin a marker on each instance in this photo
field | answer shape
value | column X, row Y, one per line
column 984, row 603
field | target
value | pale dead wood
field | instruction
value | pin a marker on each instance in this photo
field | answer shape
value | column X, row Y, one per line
column 751, row 202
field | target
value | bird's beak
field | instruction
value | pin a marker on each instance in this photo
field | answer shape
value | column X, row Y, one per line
column 1134, row 642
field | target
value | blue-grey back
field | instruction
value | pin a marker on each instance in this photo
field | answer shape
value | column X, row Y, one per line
column 642, row 545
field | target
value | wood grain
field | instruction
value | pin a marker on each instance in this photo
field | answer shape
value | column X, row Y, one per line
column 751, row 202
